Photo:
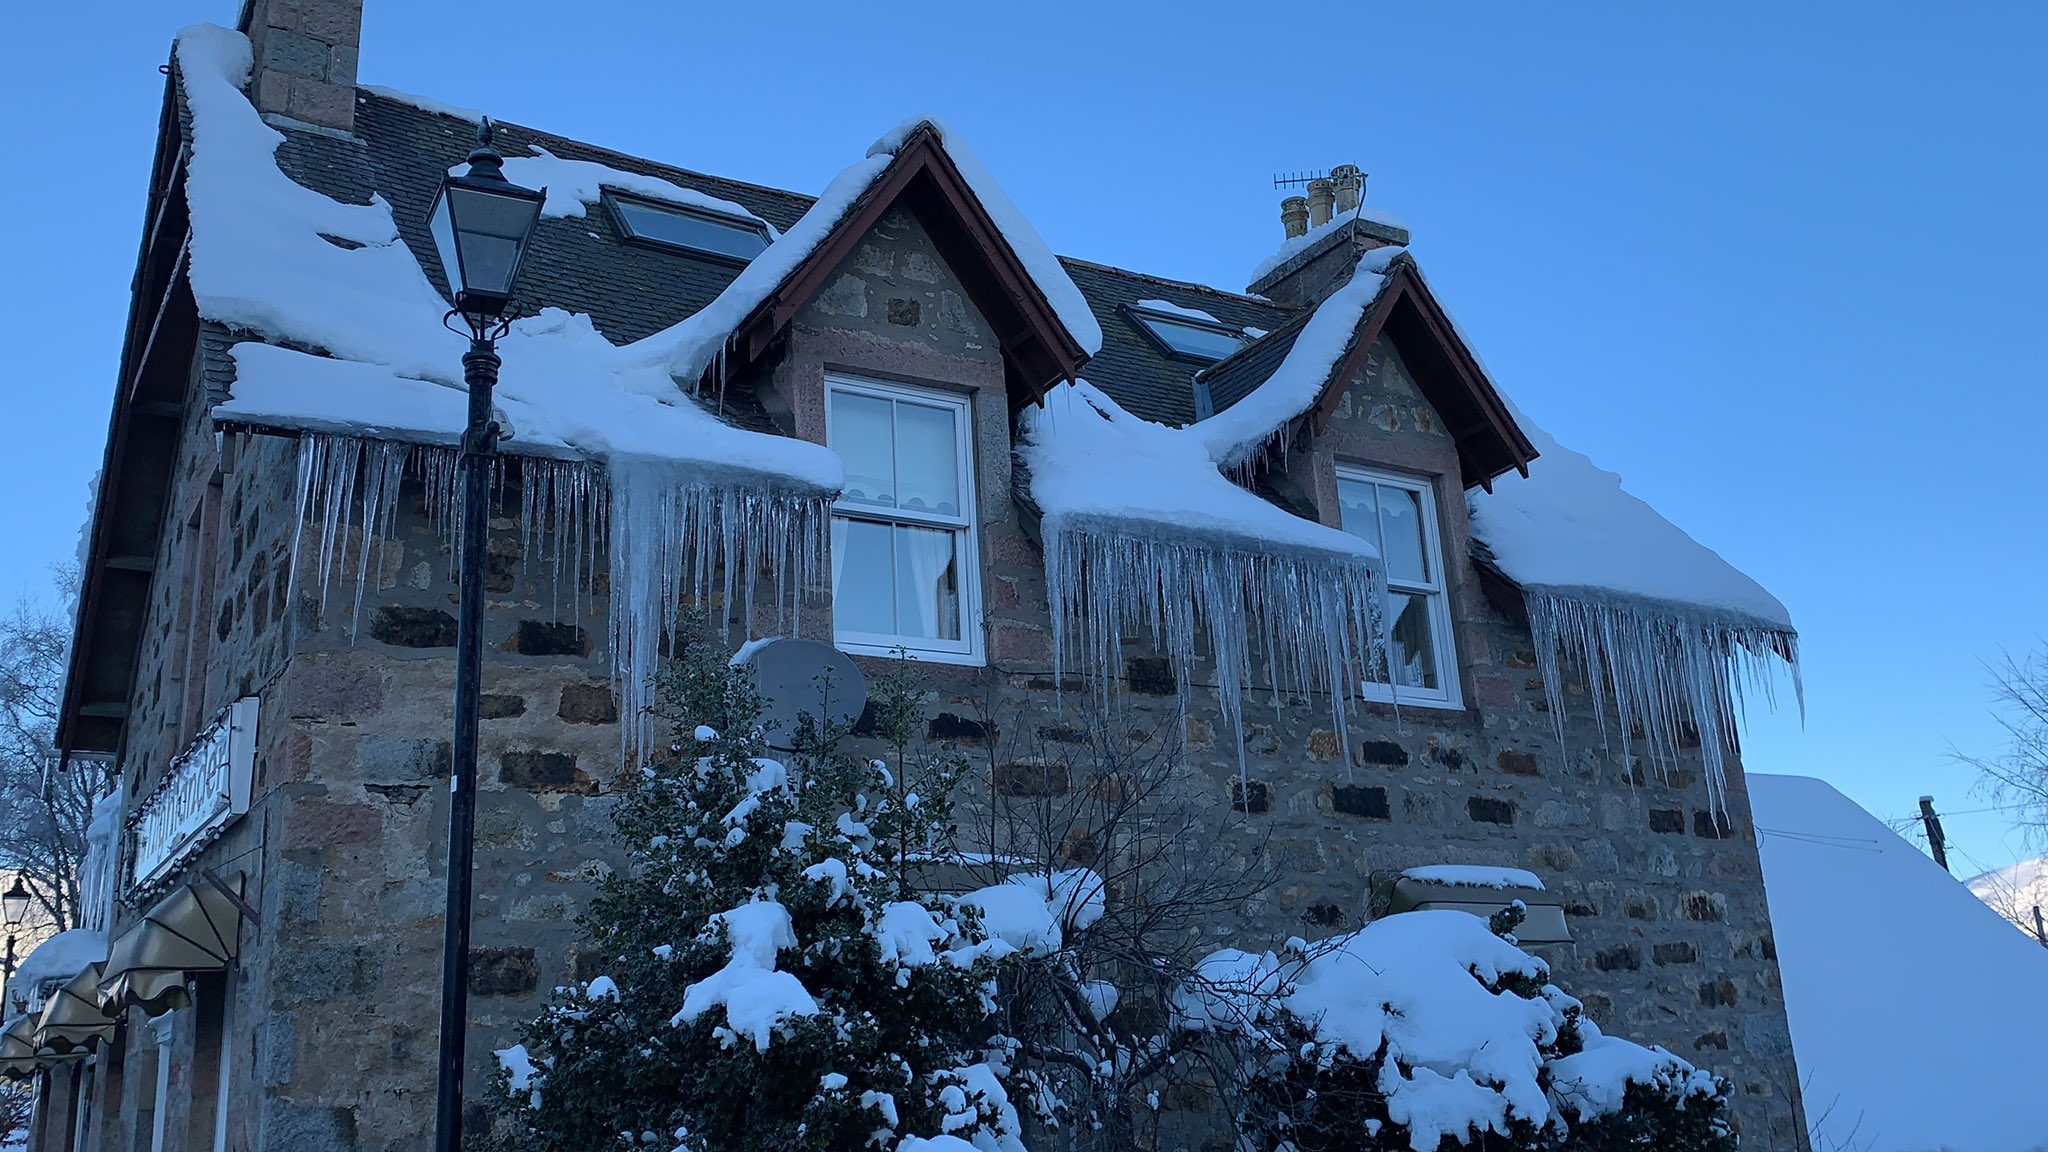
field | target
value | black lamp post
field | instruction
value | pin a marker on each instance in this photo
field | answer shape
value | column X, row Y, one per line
column 481, row 225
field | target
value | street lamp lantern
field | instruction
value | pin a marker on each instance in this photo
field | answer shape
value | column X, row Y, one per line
column 482, row 224
column 15, row 902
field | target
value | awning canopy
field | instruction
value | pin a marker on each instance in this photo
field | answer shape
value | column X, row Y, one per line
column 197, row 928
column 19, row 1058
column 72, row 1019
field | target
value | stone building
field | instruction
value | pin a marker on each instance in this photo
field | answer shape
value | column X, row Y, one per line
column 857, row 417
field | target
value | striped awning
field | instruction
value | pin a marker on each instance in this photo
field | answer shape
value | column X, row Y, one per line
column 197, row 928
column 72, row 1020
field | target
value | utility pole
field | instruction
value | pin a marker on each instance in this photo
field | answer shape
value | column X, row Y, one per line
column 1935, row 840
column 2040, row 933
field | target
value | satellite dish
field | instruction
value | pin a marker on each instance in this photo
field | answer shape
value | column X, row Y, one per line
column 796, row 677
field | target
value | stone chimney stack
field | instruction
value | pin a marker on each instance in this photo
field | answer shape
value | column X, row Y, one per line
column 1349, row 184
column 1294, row 216
column 305, row 59
column 1305, row 274
column 1320, row 199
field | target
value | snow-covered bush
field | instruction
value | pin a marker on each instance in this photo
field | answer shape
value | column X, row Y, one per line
column 771, row 983
column 1426, row 1031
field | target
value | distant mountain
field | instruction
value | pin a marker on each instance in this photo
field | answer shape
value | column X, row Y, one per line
column 1916, row 1013
column 2015, row 890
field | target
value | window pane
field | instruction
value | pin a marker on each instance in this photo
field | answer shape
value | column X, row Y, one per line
column 1358, row 509
column 927, row 458
column 1414, row 651
column 1194, row 340
column 707, row 233
column 863, row 599
column 861, row 434
column 927, row 584
column 1401, row 521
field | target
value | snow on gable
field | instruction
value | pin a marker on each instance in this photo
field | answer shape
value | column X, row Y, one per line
column 1045, row 269
column 1671, row 630
column 1237, row 433
column 1879, row 948
column 1139, row 524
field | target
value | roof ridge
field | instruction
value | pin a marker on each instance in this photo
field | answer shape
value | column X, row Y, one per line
column 432, row 107
column 392, row 95
column 1211, row 289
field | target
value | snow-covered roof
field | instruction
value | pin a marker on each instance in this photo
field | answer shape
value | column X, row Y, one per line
column 572, row 185
column 61, row 957
column 1915, row 1010
column 301, row 270
column 1674, row 633
column 1571, row 524
column 1235, row 434
column 1094, row 464
column 1140, row 524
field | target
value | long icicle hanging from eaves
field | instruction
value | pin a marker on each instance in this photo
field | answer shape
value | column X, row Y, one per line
column 1314, row 620
column 652, row 536
column 1673, row 671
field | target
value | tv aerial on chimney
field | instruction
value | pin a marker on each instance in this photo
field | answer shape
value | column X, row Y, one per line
column 1298, row 179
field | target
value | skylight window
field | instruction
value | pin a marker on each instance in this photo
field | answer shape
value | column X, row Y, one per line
column 694, row 229
column 1186, row 332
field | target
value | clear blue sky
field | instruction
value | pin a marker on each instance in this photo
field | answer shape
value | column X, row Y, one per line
column 1778, row 265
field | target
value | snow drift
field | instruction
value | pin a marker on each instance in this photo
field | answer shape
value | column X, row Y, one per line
column 1915, row 1010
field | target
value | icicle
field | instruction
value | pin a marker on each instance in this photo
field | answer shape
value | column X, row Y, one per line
column 1665, row 665
column 1320, row 618
column 665, row 533
column 669, row 539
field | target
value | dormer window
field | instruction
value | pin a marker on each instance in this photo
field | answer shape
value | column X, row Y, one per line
column 690, row 229
column 1185, row 333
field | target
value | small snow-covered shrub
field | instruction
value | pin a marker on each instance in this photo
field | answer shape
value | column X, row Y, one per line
column 1426, row 1031
column 771, row 982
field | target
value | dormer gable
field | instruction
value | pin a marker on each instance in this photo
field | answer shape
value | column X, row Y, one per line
column 1045, row 328
column 1395, row 303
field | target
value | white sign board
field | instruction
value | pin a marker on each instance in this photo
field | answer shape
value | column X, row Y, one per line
column 206, row 788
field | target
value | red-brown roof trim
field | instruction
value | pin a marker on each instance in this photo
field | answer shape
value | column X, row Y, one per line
column 1490, row 443
column 1038, row 351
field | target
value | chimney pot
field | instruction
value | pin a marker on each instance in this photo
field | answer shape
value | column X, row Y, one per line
column 1349, row 184
column 1320, row 198
column 1294, row 216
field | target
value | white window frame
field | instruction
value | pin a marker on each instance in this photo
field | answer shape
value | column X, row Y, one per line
column 970, row 648
column 1435, row 591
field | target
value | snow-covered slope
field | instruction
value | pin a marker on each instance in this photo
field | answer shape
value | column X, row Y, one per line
column 1916, row 1012
column 2015, row 890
